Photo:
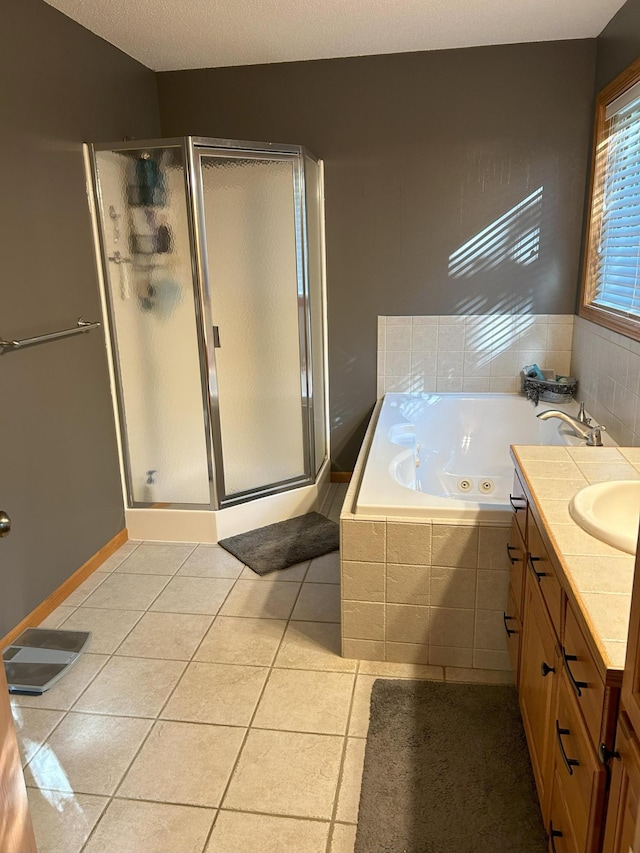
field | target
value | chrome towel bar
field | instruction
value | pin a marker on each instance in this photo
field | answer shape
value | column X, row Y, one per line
column 82, row 326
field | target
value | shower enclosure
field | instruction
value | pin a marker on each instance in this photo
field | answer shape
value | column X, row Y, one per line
column 213, row 270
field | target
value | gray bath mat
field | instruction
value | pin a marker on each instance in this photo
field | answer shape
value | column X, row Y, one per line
column 284, row 544
column 447, row 770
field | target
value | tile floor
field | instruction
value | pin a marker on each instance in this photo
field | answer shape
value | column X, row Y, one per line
column 212, row 713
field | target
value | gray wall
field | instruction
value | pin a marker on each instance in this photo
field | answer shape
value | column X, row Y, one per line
column 618, row 43
column 423, row 151
column 59, row 477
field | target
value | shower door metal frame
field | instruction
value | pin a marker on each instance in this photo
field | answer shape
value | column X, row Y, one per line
column 199, row 147
column 191, row 147
column 181, row 143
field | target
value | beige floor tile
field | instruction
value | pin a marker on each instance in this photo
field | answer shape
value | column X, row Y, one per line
column 313, row 645
column 127, row 592
column 297, row 700
column 57, row 617
column 359, row 721
column 108, row 627
column 211, row 561
column 318, row 602
column 137, row 827
column 112, row 562
column 351, row 781
column 33, row 726
column 296, row 572
column 241, row 832
column 264, row 599
column 217, row 693
column 62, row 696
column 204, row 758
column 401, row 670
column 193, row 595
column 343, row 839
column 87, row 753
column 153, row 558
column 169, row 636
column 298, row 774
column 477, row 676
column 62, row 821
column 85, row 589
column 325, row 569
column 241, row 640
column 136, row 687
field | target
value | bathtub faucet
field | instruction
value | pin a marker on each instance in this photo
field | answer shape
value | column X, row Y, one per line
column 591, row 434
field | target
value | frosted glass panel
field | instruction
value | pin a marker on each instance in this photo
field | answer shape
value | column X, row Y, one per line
column 314, row 202
column 150, row 290
column 249, row 210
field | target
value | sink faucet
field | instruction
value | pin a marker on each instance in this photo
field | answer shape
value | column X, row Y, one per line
column 591, row 434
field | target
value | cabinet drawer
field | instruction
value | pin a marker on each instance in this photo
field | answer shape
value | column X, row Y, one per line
column 513, row 628
column 519, row 503
column 581, row 672
column 577, row 772
column 517, row 554
column 541, row 567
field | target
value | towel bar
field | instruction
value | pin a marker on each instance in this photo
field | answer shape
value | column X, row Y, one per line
column 82, row 326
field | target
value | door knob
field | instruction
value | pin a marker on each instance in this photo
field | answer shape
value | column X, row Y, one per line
column 5, row 523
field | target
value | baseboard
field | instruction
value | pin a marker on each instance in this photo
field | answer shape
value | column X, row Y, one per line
column 341, row 476
column 65, row 589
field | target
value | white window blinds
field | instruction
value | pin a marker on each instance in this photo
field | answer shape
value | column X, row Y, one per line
column 617, row 280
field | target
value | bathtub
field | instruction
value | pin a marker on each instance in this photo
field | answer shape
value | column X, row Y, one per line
column 447, row 455
column 425, row 525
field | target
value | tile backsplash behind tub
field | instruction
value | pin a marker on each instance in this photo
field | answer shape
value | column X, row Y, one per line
column 607, row 367
column 473, row 352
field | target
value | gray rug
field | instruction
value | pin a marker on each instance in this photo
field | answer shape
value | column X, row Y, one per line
column 284, row 544
column 447, row 770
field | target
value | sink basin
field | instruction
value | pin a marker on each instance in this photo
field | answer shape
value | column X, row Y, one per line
column 610, row 512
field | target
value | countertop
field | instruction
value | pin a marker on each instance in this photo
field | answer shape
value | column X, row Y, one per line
column 597, row 576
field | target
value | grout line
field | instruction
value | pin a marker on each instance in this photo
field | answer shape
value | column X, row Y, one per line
column 345, row 744
column 253, row 715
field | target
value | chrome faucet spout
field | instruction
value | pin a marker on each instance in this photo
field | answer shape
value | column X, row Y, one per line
column 587, row 432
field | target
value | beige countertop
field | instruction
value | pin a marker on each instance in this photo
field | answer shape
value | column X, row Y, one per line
column 598, row 576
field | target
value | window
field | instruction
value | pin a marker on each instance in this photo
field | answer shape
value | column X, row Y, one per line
column 611, row 284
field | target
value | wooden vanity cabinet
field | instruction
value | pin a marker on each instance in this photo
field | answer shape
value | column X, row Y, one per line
column 568, row 708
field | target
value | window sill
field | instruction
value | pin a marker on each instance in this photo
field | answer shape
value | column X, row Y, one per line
column 623, row 325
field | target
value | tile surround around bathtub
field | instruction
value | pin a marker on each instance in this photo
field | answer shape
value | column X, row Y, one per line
column 607, row 366
column 474, row 353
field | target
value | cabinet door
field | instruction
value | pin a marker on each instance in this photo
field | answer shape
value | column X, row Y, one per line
column 538, row 668
column 517, row 555
column 513, row 629
column 631, row 679
column 622, row 831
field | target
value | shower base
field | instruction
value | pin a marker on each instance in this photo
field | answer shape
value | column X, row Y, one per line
column 192, row 525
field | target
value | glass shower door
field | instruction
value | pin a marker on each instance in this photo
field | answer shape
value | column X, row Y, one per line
column 251, row 254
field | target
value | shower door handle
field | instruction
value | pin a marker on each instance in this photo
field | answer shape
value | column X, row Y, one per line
column 216, row 336
column 5, row 523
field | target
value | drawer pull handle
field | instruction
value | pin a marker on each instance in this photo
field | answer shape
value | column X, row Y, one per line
column 545, row 669
column 539, row 575
column 577, row 685
column 569, row 763
column 511, row 548
column 605, row 754
column 513, row 498
column 506, row 619
column 553, row 833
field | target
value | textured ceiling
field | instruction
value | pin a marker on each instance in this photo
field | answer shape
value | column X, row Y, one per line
column 168, row 35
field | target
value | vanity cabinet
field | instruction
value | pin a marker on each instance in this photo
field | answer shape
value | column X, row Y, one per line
column 569, row 706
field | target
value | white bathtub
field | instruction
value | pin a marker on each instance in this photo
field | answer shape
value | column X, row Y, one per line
column 447, row 455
